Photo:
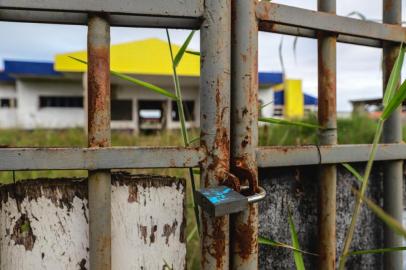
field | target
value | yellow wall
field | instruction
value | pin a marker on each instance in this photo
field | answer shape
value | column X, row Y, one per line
column 294, row 99
column 150, row 56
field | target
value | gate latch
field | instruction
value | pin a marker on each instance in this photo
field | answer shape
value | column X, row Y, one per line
column 222, row 200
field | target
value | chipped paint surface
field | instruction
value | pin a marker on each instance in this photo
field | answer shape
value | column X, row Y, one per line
column 153, row 231
column 44, row 224
column 60, row 234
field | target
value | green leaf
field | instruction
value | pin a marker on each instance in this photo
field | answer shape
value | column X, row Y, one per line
column 191, row 234
column 374, row 251
column 295, row 243
column 182, row 49
column 133, row 80
column 394, row 102
column 392, row 223
column 194, row 140
column 193, row 52
column 353, row 171
column 266, row 104
column 394, row 76
column 266, row 241
column 287, row 122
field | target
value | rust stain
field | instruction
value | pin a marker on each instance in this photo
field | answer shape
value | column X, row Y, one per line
column 82, row 264
column 387, row 5
column 132, row 193
column 23, row 234
column 154, row 228
column 143, row 231
column 327, row 92
column 99, row 96
column 246, row 173
column 246, row 235
column 168, row 230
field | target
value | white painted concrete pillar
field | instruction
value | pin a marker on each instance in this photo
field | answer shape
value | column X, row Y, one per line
column 44, row 224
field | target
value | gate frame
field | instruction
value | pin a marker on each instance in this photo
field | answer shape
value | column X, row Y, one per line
column 219, row 106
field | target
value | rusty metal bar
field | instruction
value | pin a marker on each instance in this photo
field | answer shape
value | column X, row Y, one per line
column 173, row 157
column 170, row 8
column 310, row 33
column 78, row 18
column 392, row 133
column 327, row 116
column 283, row 156
column 324, row 21
column 215, row 125
column 98, row 50
column 99, row 158
column 244, row 130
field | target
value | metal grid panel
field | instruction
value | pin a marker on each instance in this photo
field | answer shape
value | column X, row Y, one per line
column 214, row 154
column 170, row 8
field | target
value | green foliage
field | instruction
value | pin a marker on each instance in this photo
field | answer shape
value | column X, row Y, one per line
column 391, row 101
column 392, row 223
column 182, row 49
column 353, row 171
column 295, row 242
column 278, row 121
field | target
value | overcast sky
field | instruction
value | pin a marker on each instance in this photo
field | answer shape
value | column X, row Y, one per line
column 358, row 68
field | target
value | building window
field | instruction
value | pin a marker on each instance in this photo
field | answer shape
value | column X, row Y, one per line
column 60, row 102
column 278, row 111
column 121, row 109
column 8, row 103
column 188, row 107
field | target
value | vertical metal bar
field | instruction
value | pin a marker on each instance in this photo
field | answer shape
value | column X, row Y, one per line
column 327, row 136
column 215, row 124
column 392, row 133
column 98, row 49
column 244, row 129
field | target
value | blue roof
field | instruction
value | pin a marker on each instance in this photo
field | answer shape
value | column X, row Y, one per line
column 29, row 68
column 270, row 78
column 279, row 98
column 5, row 78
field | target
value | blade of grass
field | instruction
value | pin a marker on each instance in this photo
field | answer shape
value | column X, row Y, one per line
column 191, row 234
column 133, row 80
column 395, row 102
column 394, row 76
column 287, row 122
column 392, row 223
column 375, row 251
column 353, row 171
column 193, row 52
column 295, row 243
column 357, row 207
column 266, row 104
column 181, row 112
column 266, row 241
column 182, row 49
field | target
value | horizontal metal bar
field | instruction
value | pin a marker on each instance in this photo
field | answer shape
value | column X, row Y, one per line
column 310, row 33
column 322, row 21
column 328, row 154
column 98, row 158
column 55, row 17
column 171, row 8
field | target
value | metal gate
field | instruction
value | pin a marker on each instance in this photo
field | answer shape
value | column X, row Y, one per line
column 229, row 111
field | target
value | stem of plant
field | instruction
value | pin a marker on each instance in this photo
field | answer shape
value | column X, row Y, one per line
column 358, row 202
column 182, row 119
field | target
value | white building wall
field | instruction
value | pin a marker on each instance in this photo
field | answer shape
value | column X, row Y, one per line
column 8, row 116
column 265, row 95
column 31, row 116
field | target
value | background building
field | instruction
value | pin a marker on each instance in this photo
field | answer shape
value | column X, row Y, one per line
column 53, row 95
